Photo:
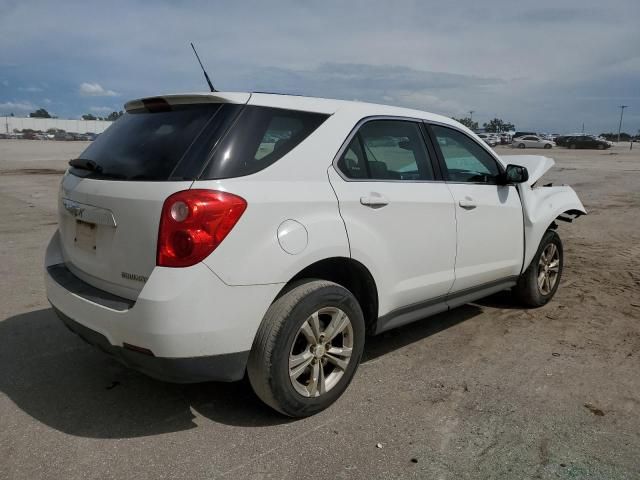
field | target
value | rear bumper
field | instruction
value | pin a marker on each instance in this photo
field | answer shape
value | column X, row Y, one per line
column 227, row 367
column 193, row 325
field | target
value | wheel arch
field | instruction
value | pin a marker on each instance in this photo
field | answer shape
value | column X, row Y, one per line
column 543, row 208
column 349, row 273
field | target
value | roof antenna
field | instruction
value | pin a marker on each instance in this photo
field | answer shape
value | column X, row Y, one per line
column 203, row 70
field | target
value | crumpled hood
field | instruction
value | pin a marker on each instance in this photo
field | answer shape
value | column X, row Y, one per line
column 536, row 165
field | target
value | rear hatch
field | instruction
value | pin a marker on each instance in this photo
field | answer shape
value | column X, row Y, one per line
column 111, row 198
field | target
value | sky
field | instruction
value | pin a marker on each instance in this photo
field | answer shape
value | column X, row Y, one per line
column 548, row 65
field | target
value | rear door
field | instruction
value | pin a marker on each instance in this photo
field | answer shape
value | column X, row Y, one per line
column 489, row 217
column 400, row 220
column 111, row 199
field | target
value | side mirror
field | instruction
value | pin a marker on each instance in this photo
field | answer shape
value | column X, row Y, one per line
column 515, row 174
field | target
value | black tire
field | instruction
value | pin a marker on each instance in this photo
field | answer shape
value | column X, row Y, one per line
column 600, row 146
column 547, row 146
column 572, row 146
column 522, row 145
column 268, row 364
column 527, row 291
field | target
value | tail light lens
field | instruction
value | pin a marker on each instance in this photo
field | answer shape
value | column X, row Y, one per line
column 194, row 223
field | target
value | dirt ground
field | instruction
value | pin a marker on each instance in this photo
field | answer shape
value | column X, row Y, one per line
column 486, row 391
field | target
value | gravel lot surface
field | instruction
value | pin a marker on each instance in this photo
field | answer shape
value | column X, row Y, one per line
column 486, row 391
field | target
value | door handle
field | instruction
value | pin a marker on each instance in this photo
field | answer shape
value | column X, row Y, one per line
column 374, row 200
column 468, row 203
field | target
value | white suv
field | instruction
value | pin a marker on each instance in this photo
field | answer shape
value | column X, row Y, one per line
column 208, row 236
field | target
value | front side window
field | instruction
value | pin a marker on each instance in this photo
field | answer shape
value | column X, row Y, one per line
column 465, row 160
column 387, row 150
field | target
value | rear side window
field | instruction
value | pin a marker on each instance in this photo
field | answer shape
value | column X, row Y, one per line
column 259, row 138
column 144, row 145
column 387, row 150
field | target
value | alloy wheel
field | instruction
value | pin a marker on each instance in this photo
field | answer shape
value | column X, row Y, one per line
column 321, row 352
column 548, row 269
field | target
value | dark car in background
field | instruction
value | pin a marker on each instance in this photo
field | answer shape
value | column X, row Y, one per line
column 585, row 141
column 561, row 140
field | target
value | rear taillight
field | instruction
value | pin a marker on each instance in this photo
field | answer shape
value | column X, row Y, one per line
column 194, row 223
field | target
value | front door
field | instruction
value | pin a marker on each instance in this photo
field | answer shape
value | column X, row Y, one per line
column 489, row 217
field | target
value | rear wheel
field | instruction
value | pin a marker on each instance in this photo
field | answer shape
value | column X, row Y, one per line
column 539, row 283
column 522, row 145
column 307, row 348
column 572, row 146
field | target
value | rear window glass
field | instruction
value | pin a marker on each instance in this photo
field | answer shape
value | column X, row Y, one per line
column 142, row 145
column 259, row 138
column 207, row 141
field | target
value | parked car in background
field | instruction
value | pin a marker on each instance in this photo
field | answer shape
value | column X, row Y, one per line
column 63, row 136
column 587, row 141
column 531, row 141
column 29, row 136
column 522, row 134
column 489, row 139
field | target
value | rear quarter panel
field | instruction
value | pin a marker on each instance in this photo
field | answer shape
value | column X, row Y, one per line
column 296, row 187
column 251, row 254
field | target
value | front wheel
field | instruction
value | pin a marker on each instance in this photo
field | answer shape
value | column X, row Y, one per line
column 522, row 145
column 539, row 283
column 547, row 146
column 572, row 146
column 307, row 348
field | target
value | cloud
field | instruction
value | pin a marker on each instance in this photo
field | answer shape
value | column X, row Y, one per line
column 95, row 90
column 30, row 89
column 102, row 109
column 16, row 107
column 546, row 65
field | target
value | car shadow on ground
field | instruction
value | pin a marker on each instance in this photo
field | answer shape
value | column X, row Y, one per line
column 53, row 376
column 503, row 300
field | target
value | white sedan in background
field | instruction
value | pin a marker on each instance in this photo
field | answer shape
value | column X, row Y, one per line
column 531, row 141
column 489, row 139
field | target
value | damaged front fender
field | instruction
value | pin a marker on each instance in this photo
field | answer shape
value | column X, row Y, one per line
column 542, row 205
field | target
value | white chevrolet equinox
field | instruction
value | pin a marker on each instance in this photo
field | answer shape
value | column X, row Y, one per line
column 208, row 236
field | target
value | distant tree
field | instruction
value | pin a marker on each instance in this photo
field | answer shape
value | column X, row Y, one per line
column 467, row 122
column 113, row 116
column 88, row 116
column 40, row 113
column 612, row 137
column 498, row 125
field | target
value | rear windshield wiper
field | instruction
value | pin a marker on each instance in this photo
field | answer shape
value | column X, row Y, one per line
column 85, row 164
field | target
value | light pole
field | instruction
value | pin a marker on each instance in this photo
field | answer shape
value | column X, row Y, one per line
column 471, row 115
column 621, row 107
